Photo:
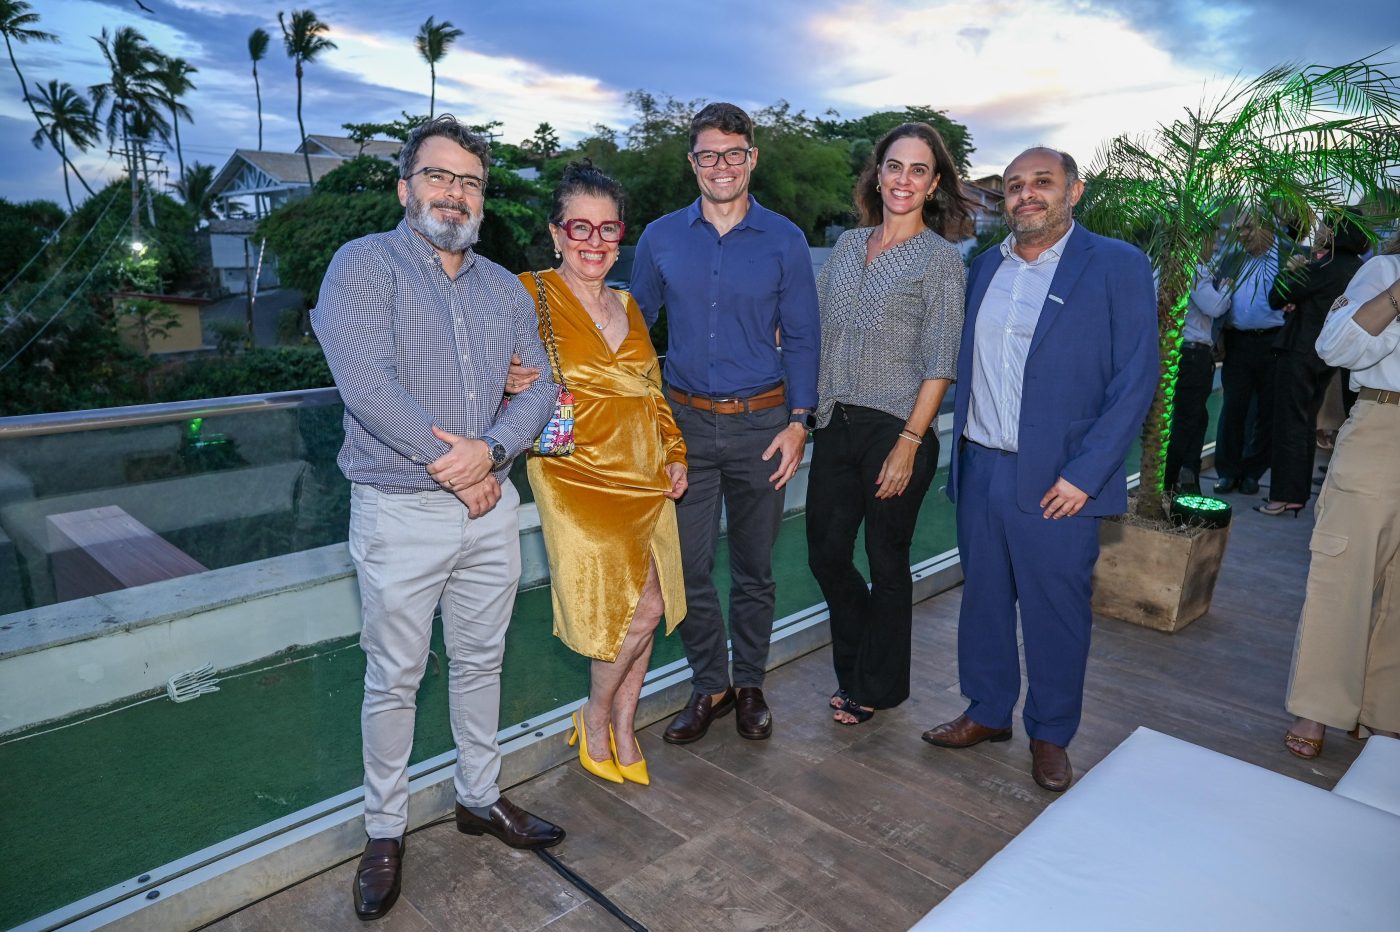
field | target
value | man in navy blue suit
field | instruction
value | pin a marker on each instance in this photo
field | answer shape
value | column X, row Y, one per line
column 1055, row 374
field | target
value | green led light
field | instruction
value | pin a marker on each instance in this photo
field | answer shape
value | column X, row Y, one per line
column 1201, row 503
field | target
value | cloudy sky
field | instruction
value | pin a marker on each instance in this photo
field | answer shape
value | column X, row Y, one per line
column 1068, row 73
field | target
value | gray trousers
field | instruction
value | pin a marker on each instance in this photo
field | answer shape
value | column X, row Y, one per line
column 725, row 467
column 413, row 553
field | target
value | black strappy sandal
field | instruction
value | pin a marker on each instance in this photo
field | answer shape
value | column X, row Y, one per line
column 852, row 708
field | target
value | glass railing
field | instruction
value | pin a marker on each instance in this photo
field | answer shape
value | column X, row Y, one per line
column 246, row 488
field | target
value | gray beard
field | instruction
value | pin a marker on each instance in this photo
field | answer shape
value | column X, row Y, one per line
column 447, row 235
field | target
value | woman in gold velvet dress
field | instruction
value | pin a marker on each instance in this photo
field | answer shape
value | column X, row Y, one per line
column 607, row 511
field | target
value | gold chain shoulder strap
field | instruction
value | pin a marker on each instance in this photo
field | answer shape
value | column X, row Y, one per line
column 549, row 332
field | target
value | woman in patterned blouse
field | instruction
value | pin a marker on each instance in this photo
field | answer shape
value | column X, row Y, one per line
column 891, row 299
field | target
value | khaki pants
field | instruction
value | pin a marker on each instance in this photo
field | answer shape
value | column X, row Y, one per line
column 1346, row 661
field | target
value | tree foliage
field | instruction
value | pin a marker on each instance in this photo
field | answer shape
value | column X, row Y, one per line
column 24, row 228
column 1292, row 148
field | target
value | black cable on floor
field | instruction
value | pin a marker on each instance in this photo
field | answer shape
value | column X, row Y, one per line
column 589, row 890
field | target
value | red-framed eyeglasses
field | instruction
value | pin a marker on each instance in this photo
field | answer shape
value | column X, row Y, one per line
column 580, row 230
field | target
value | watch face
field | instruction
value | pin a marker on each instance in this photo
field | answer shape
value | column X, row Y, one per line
column 498, row 455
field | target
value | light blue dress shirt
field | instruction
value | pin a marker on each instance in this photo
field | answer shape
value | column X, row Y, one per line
column 1001, row 338
column 1249, row 303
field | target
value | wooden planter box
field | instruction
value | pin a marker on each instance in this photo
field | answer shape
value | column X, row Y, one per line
column 1154, row 577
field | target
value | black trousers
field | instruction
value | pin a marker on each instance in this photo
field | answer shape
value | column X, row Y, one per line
column 1299, row 387
column 1195, row 376
column 871, row 628
column 1246, row 379
column 726, row 470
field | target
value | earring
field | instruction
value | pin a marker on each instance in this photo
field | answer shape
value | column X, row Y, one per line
column 556, row 253
column 877, row 186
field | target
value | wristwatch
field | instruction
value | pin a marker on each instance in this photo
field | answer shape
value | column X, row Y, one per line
column 806, row 418
column 498, row 453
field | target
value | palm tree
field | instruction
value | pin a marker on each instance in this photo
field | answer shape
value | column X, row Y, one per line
column 433, row 41
column 17, row 25
column 65, row 117
column 1295, row 145
column 193, row 188
column 173, row 77
column 257, row 50
column 303, row 40
column 133, row 90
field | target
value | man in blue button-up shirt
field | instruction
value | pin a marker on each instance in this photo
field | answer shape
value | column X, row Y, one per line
column 419, row 332
column 741, row 311
column 1242, row 453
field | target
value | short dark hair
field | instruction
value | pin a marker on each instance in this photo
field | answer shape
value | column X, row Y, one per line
column 444, row 125
column 724, row 117
column 1067, row 161
column 582, row 178
column 946, row 213
column 1348, row 234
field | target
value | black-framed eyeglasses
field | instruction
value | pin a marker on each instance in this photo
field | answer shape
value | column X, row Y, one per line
column 709, row 158
column 444, row 179
column 580, row 230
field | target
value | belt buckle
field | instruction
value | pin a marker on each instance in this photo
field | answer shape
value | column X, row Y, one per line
column 1387, row 397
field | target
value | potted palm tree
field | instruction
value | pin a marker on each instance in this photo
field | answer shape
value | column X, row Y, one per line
column 1294, row 147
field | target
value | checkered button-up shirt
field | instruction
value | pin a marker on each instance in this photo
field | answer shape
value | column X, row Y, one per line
column 411, row 348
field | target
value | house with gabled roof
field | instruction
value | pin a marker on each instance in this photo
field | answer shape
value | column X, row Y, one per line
column 253, row 183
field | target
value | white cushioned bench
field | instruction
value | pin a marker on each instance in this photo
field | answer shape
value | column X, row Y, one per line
column 1165, row 836
column 1374, row 777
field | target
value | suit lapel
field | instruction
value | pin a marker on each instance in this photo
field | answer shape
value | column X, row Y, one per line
column 1072, row 264
column 978, row 291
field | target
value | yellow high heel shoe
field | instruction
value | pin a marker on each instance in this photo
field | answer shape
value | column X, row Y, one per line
column 606, row 769
column 637, row 772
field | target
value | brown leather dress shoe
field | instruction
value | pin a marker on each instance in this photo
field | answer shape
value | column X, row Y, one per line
column 691, row 723
column 1050, row 766
column 377, row 878
column 963, row 732
column 751, row 716
column 510, row 824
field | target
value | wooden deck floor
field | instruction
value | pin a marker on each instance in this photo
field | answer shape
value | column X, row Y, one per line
column 867, row 827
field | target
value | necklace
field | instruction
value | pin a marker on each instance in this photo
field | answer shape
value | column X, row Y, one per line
column 606, row 301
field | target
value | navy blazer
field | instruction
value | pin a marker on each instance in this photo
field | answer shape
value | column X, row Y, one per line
column 1090, row 374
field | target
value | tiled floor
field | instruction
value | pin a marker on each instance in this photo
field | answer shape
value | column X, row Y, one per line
column 860, row 828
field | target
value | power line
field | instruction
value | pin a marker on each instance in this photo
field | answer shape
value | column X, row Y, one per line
column 64, row 306
column 69, row 258
column 48, row 240
column 52, row 238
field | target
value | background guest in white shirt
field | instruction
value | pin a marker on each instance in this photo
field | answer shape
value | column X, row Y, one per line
column 1346, row 664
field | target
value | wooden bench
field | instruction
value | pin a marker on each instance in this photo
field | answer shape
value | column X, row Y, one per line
column 103, row 549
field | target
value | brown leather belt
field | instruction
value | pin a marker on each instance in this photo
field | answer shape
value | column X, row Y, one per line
column 1379, row 396
column 760, row 402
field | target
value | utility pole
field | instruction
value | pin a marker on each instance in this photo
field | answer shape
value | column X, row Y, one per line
column 139, row 157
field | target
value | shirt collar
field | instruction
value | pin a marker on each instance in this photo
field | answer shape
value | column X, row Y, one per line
column 1008, row 248
column 424, row 250
column 756, row 216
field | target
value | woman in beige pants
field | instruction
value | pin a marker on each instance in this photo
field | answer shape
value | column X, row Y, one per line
column 1346, row 662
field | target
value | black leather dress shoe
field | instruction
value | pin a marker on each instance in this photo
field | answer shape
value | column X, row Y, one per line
column 510, row 824
column 751, row 715
column 1249, row 486
column 377, row 878
column 691, row 723
column 1226, row 486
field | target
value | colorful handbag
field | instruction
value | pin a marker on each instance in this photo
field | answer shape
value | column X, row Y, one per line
column 557, row 438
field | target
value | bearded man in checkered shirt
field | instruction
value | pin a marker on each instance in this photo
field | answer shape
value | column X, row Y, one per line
column 419, row 332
